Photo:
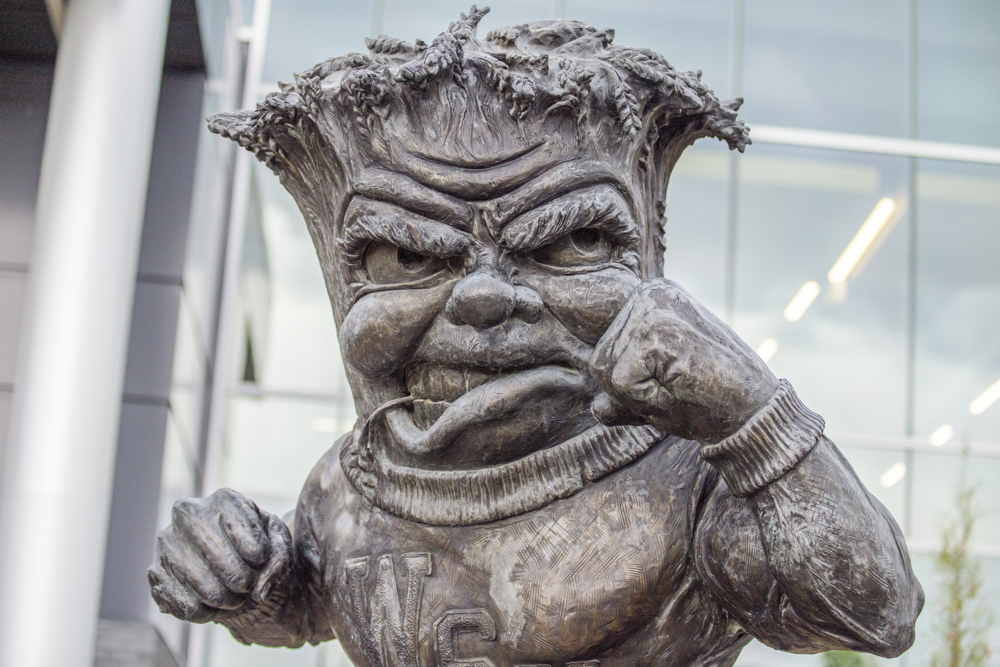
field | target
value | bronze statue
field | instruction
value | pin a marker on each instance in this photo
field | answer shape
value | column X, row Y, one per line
column 561, row 458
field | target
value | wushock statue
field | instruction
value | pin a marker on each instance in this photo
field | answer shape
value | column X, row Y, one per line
column 561, row 458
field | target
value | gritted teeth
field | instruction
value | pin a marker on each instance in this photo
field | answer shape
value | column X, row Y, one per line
column 425, row 412
column 434, row 388
column 488, row 402
column 435, row 383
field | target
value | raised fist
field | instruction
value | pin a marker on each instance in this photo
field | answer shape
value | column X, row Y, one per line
column 668, row 361
column 220, row 554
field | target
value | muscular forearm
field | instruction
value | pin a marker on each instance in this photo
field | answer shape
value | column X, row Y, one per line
column 837, row 553
column 839, row 571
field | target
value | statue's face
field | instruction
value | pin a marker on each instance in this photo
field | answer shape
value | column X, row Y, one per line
column 483, row 311
column 482, row 209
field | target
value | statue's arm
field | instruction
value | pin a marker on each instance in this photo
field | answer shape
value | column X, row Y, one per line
column 789, row 541
column 796, row 548
column 224, row 560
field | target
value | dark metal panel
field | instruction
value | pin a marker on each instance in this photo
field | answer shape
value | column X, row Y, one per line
column 26, row 31
column 132, row 524
column 171, row 177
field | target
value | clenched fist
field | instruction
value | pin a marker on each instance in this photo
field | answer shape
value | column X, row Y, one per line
column 668, row 361
column 219, row 553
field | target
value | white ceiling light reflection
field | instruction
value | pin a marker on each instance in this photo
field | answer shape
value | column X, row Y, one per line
column 986, row 399
column 862, row 241
column 893, row 475
column 800, row 303
column 766, row 349
column 941, row 435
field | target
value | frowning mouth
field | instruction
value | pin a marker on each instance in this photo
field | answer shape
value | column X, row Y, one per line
column 435, row 387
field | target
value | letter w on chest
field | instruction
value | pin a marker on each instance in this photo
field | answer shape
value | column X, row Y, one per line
column 388, row 630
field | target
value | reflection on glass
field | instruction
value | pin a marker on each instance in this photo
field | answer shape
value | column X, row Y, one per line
column 981, row 403
column 302, row 352
column 691, row 35
column 797, row 307
column 959, row 51
column 942, row 435
column 224, row 651
column 427, row 19
column 936, row 475
column 212, row 23
column 274, row 444
column 303, row 33
column 827, row 66
column 870, row 231
column 892, row 476
column 958, row 306
column 799, row 209
column 695, row 228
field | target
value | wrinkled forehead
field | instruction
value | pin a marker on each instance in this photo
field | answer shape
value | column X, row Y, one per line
column 468, row 157
column 468, row 145
column 499, row 190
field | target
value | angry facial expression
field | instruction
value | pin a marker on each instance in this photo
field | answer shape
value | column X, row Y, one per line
column 472, row 318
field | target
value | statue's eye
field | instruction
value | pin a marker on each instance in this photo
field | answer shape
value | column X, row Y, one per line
column 578, row 248
column 386, row 263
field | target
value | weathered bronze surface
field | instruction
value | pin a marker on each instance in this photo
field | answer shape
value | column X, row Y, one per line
column 561, row 458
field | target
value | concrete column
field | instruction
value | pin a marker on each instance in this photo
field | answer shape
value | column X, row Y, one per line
column 148, row 372
column 56, row 489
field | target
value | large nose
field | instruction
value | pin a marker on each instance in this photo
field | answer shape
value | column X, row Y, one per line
column 482, row 300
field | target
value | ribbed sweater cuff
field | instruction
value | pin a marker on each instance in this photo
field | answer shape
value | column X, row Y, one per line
column 257, row 624
column 768, row 445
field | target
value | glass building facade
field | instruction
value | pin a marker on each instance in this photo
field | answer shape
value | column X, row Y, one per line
column 875, row 127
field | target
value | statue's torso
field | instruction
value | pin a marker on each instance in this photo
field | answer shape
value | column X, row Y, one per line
column 604, row 575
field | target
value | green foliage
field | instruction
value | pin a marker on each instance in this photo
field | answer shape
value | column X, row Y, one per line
column 847, row 659
column 963, row 619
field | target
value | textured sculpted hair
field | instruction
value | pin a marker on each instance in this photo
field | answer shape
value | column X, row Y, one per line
column 554, row 66
column 471, row 103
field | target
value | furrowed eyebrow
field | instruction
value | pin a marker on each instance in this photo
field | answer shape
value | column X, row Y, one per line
column 566, row 177
column 599, row 207
column 398, row 190
column 367, row 221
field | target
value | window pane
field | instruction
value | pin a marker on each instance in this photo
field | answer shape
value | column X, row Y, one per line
column 959, row 65
column 303, row 33
column 696, row 223
column 827, row 65
column 958, row 311
column 691, row 35
column 302, row 352
column 936, row 478
column 799, row 209
column 274, row 442
column 426, row 20
column 213, row 18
